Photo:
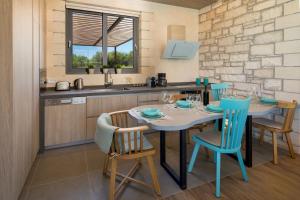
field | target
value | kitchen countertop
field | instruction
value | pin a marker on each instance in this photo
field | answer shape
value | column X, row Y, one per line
column 50, row 93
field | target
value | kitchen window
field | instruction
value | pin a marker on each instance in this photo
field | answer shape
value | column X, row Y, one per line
column 97, row 39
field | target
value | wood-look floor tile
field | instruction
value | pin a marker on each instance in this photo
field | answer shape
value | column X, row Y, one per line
column 62, row 151
column 76, row 188
column 55, row 168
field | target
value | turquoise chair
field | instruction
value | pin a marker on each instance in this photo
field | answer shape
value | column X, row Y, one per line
column 229, row 140
column 218, row 89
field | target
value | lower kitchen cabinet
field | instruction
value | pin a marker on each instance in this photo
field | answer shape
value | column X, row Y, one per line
column 105, row 104
column 73, row 120
column 96, row 105
column 91, row 124
column 64, row 123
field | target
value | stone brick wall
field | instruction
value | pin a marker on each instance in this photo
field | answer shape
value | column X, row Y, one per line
column 254, row 43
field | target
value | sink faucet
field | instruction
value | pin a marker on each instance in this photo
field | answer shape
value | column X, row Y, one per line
column 108, row 81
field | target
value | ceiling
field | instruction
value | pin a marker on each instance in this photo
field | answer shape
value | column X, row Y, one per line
column 196, row 4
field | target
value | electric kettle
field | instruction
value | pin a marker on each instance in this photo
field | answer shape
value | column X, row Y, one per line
column 78, row 84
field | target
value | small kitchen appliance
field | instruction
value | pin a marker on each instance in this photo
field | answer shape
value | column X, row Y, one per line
column 62, row 86
column 161, row 80
column 78, row 84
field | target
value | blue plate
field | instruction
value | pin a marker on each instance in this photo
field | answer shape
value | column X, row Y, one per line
column 183, row 104
column 153, row 117
column 151, row 112
column 270, row 101
column 213, row 108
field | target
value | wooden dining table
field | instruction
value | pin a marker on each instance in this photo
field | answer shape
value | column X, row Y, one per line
column 181, row 119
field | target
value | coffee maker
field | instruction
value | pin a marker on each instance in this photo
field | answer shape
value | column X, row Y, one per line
column 161, row 80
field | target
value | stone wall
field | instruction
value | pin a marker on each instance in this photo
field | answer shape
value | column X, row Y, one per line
column 254, row 43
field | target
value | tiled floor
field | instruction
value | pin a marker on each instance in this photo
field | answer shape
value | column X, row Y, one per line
column 75, row 173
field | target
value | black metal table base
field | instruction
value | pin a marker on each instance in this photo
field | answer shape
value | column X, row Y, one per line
column 180, row 179
column 248, row 140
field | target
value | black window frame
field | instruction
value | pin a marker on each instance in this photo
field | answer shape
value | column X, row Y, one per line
column 69, row 39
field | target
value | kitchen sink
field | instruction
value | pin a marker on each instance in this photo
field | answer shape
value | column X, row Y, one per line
column 103, row 90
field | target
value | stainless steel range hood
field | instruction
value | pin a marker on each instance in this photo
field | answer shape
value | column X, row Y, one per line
column 180, row 49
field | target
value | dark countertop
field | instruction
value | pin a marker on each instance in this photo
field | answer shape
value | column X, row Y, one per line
column 50, row 93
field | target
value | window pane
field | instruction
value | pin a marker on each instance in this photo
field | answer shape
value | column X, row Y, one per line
column 120, row 41
column 87, row 39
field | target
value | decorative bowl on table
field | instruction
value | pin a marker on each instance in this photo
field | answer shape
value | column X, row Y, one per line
column 151, row 113
column 214, row 108
column 183, row 104
column 269, row 101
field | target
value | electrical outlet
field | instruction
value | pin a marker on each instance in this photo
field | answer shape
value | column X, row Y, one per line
column 51, row 81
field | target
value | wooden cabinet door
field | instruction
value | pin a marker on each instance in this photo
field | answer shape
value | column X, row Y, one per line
column 65, row 123
column 91, row 124
column 148, row 99
column 106, row 104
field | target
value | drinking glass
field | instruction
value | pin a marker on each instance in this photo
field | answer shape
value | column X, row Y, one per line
column 189, row 98
column 165, row 97
column 197, row 101
column 171, row 100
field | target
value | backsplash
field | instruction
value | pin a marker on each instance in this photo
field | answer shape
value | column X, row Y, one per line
column 154, row 20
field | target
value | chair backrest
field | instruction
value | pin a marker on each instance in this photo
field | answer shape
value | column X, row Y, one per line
column 235, row 112
column 289, row 117
column 127, row 140
column 218, row 89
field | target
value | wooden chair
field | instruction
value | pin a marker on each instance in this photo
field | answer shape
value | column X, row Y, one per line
column 275, row 127
column 229, row 140
column 129, row 144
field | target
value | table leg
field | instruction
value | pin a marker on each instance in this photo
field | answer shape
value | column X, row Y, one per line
column 220, row 123
column 181, row 180
column 248, row 156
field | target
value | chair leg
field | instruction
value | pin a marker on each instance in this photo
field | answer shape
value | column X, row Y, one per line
column 153, row 175
column 112, row 183
column 218, row 174
column 275, row 153
column 242, row 166
column 290, row 145
column 261, row 138
column 215, row 156
column 105, row 166
column 194, row 156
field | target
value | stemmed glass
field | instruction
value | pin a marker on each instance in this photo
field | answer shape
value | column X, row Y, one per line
column 165, row 97
column 197, row 99
column 171, row 99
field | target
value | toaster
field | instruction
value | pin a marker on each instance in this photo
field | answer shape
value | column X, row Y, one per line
column 62, row 86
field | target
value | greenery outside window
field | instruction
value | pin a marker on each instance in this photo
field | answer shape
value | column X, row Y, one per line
column 98, row 39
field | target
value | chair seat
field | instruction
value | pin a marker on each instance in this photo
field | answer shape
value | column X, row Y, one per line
column 146, row 144
column 211, row 137
column 267, row 123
